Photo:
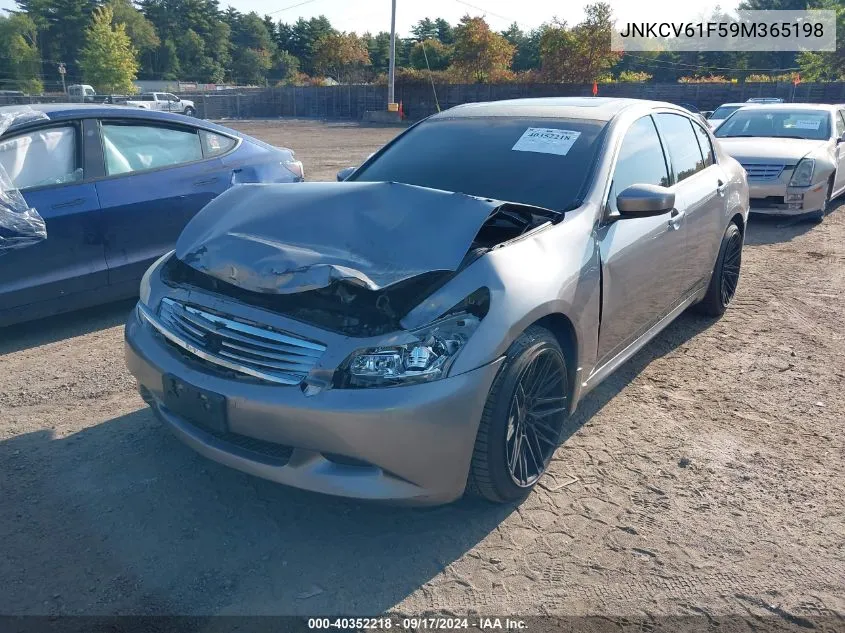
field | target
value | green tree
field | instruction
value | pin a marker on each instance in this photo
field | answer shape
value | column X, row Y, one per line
column 592, row 43
column 253, row 48
column 425, row 29
column 527, row 55
column 299, row 39
column 378, row 48
column 480, row 54
column 139, row 29
column 439, row 55
column 108, row 60
column 339, row 55
column 581, row 54
column 827, row 65
column 19, row 54
column 285, row 69
column 60, row 25
column 445, row 32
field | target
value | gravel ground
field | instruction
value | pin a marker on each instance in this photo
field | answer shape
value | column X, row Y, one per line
column 704, row 478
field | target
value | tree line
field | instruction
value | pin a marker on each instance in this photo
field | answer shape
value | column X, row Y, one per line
column 111, row 43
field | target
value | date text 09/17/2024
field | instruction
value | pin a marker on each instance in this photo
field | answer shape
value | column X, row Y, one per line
column 418, row 623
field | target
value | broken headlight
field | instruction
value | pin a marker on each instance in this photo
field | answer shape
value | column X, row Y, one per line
column 425, row 359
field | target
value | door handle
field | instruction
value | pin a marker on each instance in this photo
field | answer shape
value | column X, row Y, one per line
column 207, row 181
column 721, row 188
column 675, row 219
column 68, row 204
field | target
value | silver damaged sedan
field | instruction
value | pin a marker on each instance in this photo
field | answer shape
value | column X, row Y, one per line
column 425, row 327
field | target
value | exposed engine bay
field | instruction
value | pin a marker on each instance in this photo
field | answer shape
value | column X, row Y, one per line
column 352, row 284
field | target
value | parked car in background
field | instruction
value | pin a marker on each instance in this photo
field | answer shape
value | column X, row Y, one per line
column 115, row 187
column 723, row 112
column 163, row 102
column 79, row 92
column 794, row 155
column 427, row 325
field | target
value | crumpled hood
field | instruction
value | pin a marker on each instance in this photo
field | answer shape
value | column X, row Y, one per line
column 769, row 150
column 286, row 238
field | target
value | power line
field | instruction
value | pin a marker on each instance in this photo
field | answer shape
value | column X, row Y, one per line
column 293, row 6
column 669, row 64
column 495, row 15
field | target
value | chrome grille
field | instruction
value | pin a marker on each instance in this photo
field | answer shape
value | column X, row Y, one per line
column 239, row 346
column 763, row 171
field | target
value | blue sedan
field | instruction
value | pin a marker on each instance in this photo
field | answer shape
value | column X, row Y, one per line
column 115, row 186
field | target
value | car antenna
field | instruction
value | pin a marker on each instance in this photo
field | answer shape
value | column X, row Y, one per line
column 430, row 75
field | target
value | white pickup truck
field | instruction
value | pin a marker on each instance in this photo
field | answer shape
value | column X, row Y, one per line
column 163, row 101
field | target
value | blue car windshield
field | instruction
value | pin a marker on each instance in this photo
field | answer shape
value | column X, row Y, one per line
column 541, row 162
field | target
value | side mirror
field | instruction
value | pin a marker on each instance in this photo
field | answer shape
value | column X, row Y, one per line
column 707, row 113
column 343, row 174
column 841, row 139
column 643, row 201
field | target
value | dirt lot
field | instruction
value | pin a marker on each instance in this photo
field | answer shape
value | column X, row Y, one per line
column 709, row 475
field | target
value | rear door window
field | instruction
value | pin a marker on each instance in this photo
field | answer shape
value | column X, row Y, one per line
column 681, row 145
column 214, row 144
column 41, row 157
column 131, row 147
column 705, row 145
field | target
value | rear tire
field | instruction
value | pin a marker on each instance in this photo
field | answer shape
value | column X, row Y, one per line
column 522, row 420
column 725, row 277
column 189, row 111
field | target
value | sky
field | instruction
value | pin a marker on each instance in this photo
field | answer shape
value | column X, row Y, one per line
column 374, row 15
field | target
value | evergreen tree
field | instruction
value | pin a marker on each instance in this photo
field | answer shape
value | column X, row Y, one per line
column 108, row 60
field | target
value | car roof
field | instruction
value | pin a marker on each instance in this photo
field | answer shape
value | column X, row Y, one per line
column 595, row 108
column 65, row 111
column 821, row 107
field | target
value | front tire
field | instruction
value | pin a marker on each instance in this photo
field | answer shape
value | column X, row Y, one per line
column 725, row 277
column 189, row 111
column 522, row 420
column 818, row 216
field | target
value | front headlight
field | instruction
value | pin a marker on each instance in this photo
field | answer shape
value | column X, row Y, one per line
column 425, row 359
column 146, row 289
column 803, row 174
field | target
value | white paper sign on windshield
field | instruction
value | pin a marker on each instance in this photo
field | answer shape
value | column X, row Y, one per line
column 807, row 124
column 546, row 140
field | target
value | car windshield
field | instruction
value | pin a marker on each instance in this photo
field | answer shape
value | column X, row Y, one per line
column 542, row 162
column 722, row 112
column 780, row 123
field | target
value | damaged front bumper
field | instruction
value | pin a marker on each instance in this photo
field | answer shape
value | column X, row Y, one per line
column 408, row 444
column 780, row 199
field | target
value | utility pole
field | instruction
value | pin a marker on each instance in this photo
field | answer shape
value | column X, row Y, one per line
column 62, row 72
column 391, row 78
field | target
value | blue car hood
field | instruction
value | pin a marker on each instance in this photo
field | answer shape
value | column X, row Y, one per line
column 287, row 238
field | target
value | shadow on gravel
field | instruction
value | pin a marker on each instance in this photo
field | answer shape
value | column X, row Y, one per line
column 122, row 518
column 684, row 328
column 23, row 336
column 764, row 229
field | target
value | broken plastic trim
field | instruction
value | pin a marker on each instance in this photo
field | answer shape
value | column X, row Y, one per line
column 20, row 225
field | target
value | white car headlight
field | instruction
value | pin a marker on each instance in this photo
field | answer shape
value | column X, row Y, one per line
column 802, row 176
column 425, row 359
